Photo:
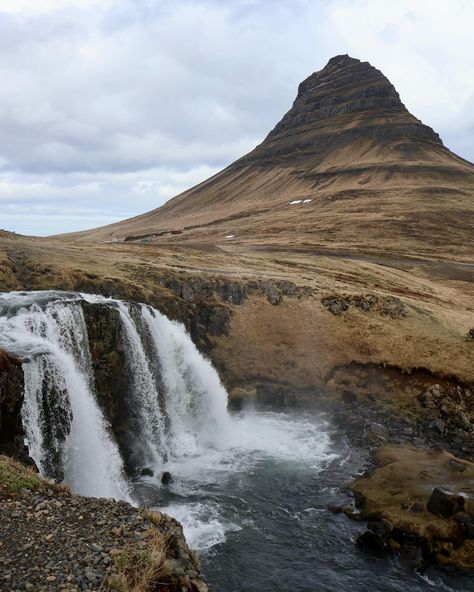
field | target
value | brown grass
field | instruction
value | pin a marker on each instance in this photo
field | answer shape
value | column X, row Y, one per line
column 141, row 568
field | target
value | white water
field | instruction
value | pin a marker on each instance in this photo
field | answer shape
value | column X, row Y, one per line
column 54, row 338
column 256, row 441
column 179, row 404
column 151, row 427
column 195, row 400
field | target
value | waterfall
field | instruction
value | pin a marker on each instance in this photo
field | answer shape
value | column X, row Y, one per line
column 65, row 428
column 172, row 398
column 149, row 428
column 195, row 400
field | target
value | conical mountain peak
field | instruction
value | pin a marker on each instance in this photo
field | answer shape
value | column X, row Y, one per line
column 348, row 94
column 349, row 151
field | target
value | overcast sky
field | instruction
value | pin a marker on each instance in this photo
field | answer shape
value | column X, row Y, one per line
column 110, row 107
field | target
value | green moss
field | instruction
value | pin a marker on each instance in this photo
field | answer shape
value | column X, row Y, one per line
column 14, row 477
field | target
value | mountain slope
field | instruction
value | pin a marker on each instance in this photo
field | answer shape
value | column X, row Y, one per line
column 370, row 176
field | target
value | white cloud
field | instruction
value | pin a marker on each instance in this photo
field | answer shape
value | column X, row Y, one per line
column 30, row 7
column 51, row 204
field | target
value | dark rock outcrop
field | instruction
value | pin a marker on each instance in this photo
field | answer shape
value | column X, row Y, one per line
column 113, row 376
column 437, row 411
column 445, row 503
column 402, row 515
column 11, row 399
column 389, row 306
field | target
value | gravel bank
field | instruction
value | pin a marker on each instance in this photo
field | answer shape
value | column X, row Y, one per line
column 54, row 541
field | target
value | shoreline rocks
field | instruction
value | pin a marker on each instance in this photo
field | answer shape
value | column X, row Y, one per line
column 410, row 511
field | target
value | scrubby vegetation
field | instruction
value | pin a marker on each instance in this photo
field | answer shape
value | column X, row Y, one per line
column 14, row 477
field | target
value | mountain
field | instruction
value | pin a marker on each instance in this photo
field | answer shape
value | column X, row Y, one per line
column 363, row 174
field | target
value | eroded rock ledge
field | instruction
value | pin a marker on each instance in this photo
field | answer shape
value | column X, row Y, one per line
column 419, row 503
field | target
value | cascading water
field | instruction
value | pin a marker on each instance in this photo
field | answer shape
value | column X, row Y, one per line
column 176, row 405
column 195, row 400
column 148, row 422
column 65, row 428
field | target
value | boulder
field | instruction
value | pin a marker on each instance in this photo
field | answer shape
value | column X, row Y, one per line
column 445, row 503
column 377, row 429
column 273, row 294
column 372, row 541
column 412, row 555
column 166, row 478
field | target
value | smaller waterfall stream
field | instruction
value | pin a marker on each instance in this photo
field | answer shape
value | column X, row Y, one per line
column 195, row 400
column 149, row 425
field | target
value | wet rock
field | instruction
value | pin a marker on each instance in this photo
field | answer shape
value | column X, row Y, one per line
column 466, row 523
column 470, row 335
column 166, row 478
column 146, row 472
column 12, row 434
column 412, row 555
column 438, row 425
column 377, row 429
column 445, row 503
column 373, row 541
column 242, row 396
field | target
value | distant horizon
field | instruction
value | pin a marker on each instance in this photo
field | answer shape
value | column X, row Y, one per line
column 113, row 107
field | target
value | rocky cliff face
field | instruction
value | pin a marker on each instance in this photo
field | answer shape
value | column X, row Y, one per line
column 348, row 100
column 11, row 399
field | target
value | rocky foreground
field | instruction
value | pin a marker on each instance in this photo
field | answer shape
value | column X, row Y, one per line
column 51, row 540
